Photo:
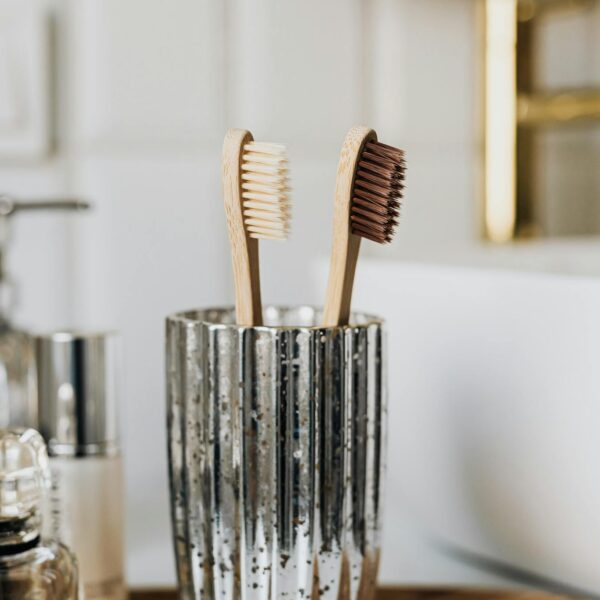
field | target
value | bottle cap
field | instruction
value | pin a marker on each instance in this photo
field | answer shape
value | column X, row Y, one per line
column 77, row 392
column 24, row 473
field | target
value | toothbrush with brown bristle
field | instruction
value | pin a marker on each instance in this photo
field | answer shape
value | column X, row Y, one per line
column 255, row 190
column 369, row 186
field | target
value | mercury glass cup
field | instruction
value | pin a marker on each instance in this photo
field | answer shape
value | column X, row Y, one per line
column 276, row 454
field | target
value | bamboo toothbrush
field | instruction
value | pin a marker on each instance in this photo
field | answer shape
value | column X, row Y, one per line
column 255, row 190
column 369, row 186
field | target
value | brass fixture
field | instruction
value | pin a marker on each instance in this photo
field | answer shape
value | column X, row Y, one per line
column 545, row 109
column 515, row 111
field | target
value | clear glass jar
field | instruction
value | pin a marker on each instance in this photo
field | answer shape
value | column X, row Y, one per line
column 30, row 567
column 44, row 572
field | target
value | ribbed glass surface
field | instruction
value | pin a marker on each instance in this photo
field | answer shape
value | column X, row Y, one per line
column 276, row 451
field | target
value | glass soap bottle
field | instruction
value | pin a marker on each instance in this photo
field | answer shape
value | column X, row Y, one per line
column 30, row 568
column 17, row 361
column 77, row 407
column 18, row 404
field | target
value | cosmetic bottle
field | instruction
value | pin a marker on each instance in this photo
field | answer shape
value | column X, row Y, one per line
column 29, row 566
column 18, row 405
column 77, row 395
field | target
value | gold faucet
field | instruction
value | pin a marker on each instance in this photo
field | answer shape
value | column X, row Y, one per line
column 515, row 110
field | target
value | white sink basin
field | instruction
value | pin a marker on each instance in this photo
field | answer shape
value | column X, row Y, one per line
column 494, row 414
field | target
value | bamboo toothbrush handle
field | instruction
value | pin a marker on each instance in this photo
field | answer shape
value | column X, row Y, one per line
column 244, row 249
column 346, row 245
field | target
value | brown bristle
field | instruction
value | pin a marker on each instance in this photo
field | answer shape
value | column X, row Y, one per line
column 378, row 187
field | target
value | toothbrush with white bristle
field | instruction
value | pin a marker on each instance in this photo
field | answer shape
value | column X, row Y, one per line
column 255, row 189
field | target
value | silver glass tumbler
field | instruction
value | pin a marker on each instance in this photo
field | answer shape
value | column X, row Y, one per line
column 276, row 454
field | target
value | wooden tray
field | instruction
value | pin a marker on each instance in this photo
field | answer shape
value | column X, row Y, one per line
column 389, row 593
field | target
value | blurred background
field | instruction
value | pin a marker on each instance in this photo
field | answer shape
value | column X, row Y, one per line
column 491, row 289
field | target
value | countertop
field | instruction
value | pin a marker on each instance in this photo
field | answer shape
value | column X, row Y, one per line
column 402, row 594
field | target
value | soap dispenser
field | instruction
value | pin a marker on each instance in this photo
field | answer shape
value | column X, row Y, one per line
column 30, row 567
column 18, row 402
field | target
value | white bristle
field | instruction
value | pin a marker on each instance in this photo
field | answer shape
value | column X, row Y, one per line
column 265, row 191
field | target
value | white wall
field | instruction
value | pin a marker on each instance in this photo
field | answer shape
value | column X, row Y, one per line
column 144, row 92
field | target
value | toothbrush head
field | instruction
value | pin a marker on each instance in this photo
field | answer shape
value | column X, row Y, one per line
column 377, row 191
column 265, row 191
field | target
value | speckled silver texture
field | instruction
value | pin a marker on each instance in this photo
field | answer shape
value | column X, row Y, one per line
column 276, row 454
